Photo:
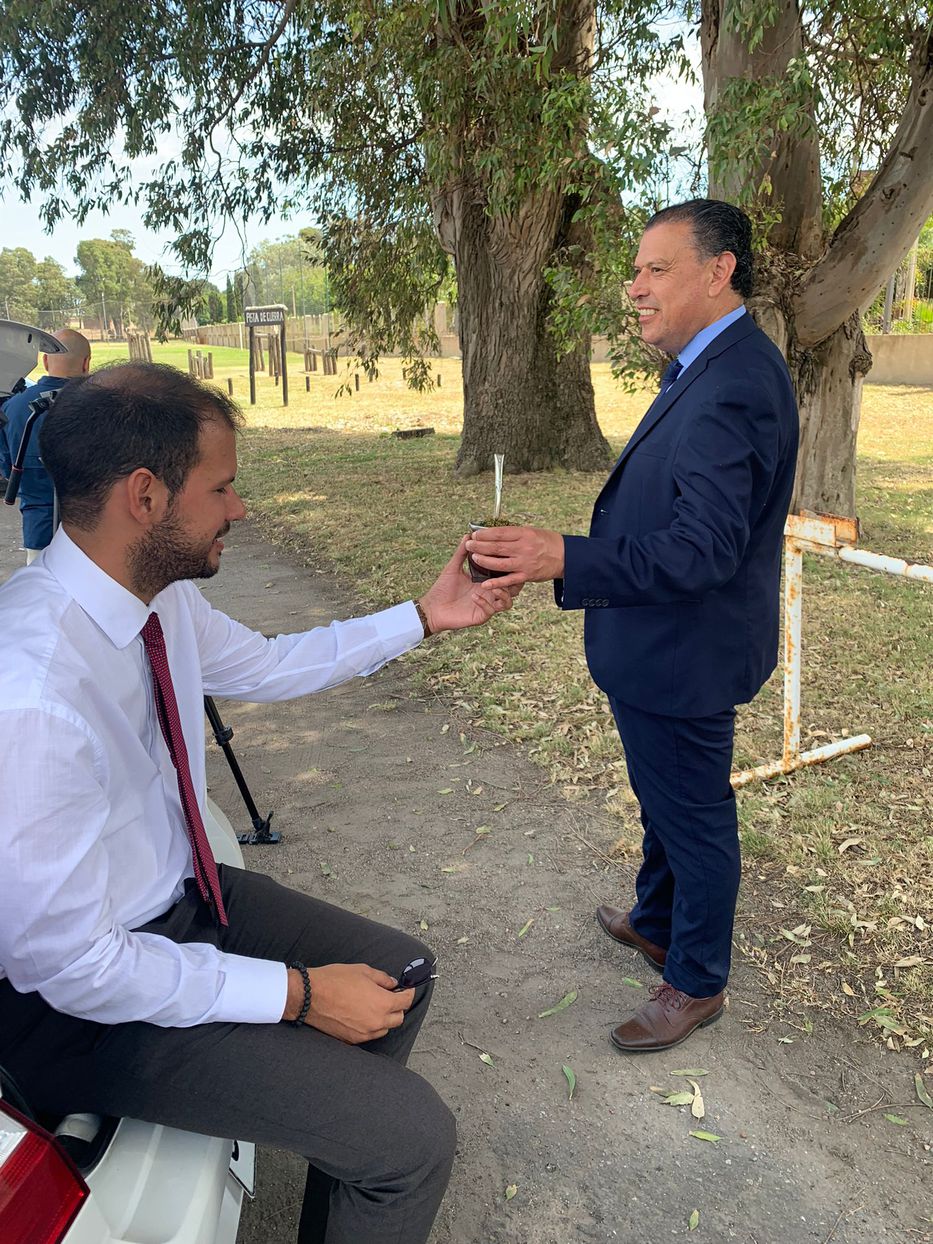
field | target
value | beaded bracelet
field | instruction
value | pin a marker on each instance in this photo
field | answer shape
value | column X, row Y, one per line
column 306, row 1004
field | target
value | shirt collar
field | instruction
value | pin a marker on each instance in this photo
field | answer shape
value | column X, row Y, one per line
column 118, row 613
column 694, row 348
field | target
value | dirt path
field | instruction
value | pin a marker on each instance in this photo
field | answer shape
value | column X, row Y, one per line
column 358, row 778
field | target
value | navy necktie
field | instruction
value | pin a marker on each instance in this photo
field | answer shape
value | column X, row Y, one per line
column 671, row 372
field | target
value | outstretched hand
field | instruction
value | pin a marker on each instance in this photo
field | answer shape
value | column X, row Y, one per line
column 453, row 601
column 525, row 554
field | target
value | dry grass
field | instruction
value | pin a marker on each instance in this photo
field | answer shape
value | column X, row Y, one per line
column 839, row 859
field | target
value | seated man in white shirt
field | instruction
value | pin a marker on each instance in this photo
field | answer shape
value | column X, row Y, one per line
column 136, row 977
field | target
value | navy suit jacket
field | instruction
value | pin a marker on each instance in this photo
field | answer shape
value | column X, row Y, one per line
column 680, row 575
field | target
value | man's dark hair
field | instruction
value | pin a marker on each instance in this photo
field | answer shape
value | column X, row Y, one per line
column 104, row 426
column 717, row 227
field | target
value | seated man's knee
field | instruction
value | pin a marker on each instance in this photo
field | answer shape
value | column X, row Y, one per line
column 429, row 1130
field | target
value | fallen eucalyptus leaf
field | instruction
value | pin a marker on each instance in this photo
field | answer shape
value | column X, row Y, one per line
column 565, row 1001
column 510, row 1191
column 448, row 790
column 912, row 961
column 897, row 1118
column 691, row 1072
column 693, row 1221
column 485, row 1058
column 697, row 1108
column 678, row 1099
column 423, row 925
column 630, row 980
column 571, row 1080
column 710, row 1136
column 526, row 926
column 922, row 1092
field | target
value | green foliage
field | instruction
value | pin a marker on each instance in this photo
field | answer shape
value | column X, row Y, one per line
column 289, row 271
column 34, row 292
column 374, row 117
column 114, row 284
column 56, row 294
column 18, row 284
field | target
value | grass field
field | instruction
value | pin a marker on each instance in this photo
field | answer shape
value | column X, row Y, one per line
column 839, row 858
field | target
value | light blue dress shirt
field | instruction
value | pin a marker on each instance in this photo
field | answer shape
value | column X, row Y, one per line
column 695, row 347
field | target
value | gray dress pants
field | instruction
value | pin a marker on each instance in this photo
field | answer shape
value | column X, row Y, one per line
column 378, row 1139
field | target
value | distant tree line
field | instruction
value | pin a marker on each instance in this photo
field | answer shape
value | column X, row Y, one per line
column 114, row 290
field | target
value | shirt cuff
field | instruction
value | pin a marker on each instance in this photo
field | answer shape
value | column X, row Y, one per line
column 399, row 629
column 254, row 991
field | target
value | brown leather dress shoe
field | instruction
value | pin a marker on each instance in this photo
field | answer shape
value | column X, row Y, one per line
column 666, row 1020
column 616, row 924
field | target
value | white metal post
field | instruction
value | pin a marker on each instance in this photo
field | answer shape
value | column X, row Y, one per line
column 829, row 536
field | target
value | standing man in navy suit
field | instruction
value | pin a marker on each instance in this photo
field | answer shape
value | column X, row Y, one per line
column 679, row 578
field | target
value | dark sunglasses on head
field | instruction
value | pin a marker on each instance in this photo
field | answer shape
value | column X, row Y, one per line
column 416, row 973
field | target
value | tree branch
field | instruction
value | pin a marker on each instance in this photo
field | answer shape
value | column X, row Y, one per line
column 250, row 78
column 884, row 224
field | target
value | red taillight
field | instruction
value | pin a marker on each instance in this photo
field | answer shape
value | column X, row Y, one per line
column 41, row 1190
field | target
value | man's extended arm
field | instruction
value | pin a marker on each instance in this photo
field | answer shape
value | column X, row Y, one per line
column 721, row 471
column 241, row 664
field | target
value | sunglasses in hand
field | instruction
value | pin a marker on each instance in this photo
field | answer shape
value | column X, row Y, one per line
column 416, row 973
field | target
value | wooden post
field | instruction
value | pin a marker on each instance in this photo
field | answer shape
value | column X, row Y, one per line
column 190, row 362
column 357, row 379
column 210, row 366
column 284, row 351
column 252, row 365
column 307, row 384
column 230, row 385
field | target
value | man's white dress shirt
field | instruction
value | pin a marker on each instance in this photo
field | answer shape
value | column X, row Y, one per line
column 92, row 835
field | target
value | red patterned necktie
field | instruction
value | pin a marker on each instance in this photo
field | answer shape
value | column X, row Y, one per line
column 205, row 867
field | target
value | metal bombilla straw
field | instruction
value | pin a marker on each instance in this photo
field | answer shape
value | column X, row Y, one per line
column 498, row 461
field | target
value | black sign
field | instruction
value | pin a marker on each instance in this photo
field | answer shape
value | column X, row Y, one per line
column 256, row 316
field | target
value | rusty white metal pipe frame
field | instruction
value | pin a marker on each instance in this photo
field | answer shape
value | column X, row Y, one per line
column 829, row 536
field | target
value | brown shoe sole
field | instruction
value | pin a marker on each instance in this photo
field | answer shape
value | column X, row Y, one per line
column 656, row 967
column 659, row 1049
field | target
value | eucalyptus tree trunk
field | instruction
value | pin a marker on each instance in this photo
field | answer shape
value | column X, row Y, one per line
column 810, row 297
column 520, row 397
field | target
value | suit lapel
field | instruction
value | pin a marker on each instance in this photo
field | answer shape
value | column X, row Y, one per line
column 742, row 328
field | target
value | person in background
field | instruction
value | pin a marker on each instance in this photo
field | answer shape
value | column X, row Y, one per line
column 679, row 579
column 36, row 494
